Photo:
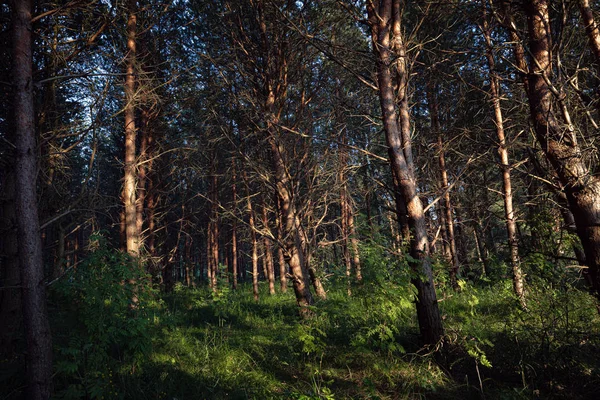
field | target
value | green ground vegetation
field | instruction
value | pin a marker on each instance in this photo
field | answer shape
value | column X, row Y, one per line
column 195, row 344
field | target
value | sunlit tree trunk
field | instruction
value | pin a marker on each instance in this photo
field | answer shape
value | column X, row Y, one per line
column 234, row 249
column 509, row 213
column 430, row 322
column 559, row 141
column 33, row 285
column 129, row 187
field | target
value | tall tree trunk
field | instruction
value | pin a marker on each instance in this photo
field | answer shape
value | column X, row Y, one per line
column 33, row 286
column 509, row 213
column 214, row 228
column 559, row 141
column 268, row 250
column 11, row 320
column 252, row 226
column 446, row 205
column 430, row 322
column 234, row 248
column 291, row 252
column 129, row 187
column 280, row 256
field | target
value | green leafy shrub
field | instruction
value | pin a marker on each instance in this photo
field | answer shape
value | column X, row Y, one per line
column 103, row 316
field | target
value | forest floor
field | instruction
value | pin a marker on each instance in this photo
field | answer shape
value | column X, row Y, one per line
column 192, row 344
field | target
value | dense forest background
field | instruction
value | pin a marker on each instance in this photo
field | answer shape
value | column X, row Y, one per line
column 299, row 199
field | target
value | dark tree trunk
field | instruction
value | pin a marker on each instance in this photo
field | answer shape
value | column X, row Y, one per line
column 11, row 320
column 33, row 292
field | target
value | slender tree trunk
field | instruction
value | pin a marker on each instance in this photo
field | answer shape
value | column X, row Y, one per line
column 591, row 29
column 214, row 226
column 33, row 286
column 446, row 206
column 268, row 250
column 282, row 263
column 234, row 249
column 430, row 322
column 142, row 173
column 509, row 213
column 354, row 243
column 129, row 188
column 252, row 226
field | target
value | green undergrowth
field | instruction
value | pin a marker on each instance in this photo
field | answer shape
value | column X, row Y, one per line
column 117, row 338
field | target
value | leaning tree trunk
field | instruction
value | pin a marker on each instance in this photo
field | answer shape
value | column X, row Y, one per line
column 509, row 213
column 430, row 322
column 33, row 286
column 559, row 142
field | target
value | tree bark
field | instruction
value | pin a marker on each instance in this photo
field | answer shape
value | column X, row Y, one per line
column 234, row 249
column 559, row 142
column 11, row 321
column 252, row 226
column 33, row 292
column 129, row 186
column 430, row 322
column 509, row 213
column 268, row 250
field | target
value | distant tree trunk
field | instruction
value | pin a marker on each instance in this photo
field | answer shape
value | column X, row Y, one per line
column 430, row 322
column 344, row 229
column 213, row 242
column 129, row 188
column 188, row 261
column 445, row 205
column 142, row 173
column 33, row 285
column 252, row 226
column 354, row 243
column 234, row 249
column 509, row 214
column 281, row 258
column 559, row 141
column 268, row 250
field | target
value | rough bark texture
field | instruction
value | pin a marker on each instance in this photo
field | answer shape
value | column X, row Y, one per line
column 291, row 252
column 509, row 213
column 33, row 291
column 559, row 143
column 10, row 293
column 591, row 29
column 129, row 186
column 430, row 322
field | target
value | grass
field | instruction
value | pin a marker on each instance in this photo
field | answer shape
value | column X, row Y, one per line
column 201, row 346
